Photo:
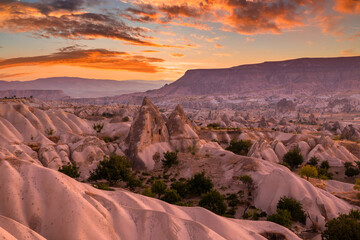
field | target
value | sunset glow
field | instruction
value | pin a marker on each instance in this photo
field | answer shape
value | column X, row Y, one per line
column 158, row 39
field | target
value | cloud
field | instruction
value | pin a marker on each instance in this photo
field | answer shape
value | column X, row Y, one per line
column 5, row 75
column 89, row 58
column 222, row 54
column 149, row 51
column 347, row 6
column 218, row 45
column 348, row 52
column 249, row 39
column 331, row 24
column 242, row 16
column 354, row 37
column 177, row 54
column 45, row 20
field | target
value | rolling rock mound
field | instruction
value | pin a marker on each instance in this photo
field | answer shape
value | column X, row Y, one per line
column 23, row 133
column 58, row 207
column 151, row 133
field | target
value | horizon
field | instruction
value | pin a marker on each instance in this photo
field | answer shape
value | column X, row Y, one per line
column 161, row 40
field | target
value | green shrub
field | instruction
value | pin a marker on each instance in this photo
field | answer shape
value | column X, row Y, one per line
column 170, row 158
column 125, row 119
column 50, row 131
column 308, row 171
column 350, row 170
column 213, row 201
column 199, row 184
column 294, row 207
column 247, row 180
column 70, row 169
column 171, row 196
column 313, row 161
column 325, row 165
column 293, row 158
column 113, row 169
column 282, row 217
column 98, row 127
column 147, row 192
column 233, row 200
column 158, row 187
column 241, row 147
column 181, row 188
column 102, row 186
column 344, row 227
column 213, row 125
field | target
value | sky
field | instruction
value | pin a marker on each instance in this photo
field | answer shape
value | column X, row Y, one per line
column 161, row 39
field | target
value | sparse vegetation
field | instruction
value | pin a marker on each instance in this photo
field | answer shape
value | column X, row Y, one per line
column 170, row 159
column 125, row 119
column 50, row 131
column 282, row 217
column 313, row 161
column 241, row 147
column 344, row 227
column 294, row 158
column 171, row 196
column 213, row 126
column 98, row 127
column 308, row 171
column 102, row 186
column 200, row 184
column 70, row 169
column 351, row 170
column 213, row 201
column 113, row 169
column 294, row 207
column 158, row 187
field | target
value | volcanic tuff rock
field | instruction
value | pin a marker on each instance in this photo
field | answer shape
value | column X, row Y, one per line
column 152, row 133
column 148, row 128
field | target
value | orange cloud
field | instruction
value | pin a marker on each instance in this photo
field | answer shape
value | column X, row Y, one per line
column 5, row 75
column 177, row 54
column 218, row 45
column 246, row 17
column 60, row 20
column 348, row 52
column 89, row 58
column 347, row 6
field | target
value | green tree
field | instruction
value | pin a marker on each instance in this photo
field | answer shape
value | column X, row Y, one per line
column 171, row 196
column 293, row 158
column 113, row 169
column 313, row 161
column 158, row 187
column 294, row 207
column 325, row 165
column 308, row 171
column 357, row 184
column 147, row 192
column 344, row 227
column 247, row 180
column 170, row 158
column 241, row 147
column 70, row 169
column 282, row 217
column 213, row 201
column 199, row 184
column 181, row 188
column 351, row 170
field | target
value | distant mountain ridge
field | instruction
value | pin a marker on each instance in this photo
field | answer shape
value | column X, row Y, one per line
column 83, row 87
column 304, row 75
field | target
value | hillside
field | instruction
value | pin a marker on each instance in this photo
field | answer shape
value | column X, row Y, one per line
column 306, row 75
column 83, row 87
